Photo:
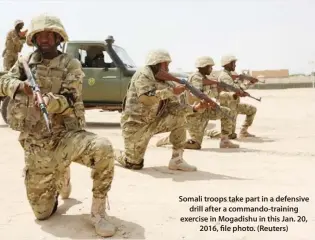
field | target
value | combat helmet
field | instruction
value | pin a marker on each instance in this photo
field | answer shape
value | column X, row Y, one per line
column 45, row 22
column 227, row 59
column 157, row 56
column 204, row 61
column 17, row 22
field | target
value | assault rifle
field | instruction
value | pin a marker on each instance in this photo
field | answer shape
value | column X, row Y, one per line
column 243, row 77
column 165, row 76
column 228, row 87
column 37, row 93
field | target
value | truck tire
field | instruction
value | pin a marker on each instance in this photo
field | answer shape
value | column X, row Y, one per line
column 4, row 107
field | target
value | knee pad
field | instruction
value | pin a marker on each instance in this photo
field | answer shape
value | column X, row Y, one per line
column 45, row 216
column 104, row 149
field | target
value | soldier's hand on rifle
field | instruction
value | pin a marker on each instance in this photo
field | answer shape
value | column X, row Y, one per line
column 212, row 105
column 45, row 99
column 178, row 89
column 244, row 94
column 25, row 87
column 200, row 105
column 239, row 93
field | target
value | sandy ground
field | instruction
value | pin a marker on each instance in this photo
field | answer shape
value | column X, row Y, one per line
column 145, row 204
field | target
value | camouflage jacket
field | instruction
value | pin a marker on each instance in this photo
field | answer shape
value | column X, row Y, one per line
column 196, row 80
column 60, row 79
column 226, row 77
column 148, row 98
column 13, row 43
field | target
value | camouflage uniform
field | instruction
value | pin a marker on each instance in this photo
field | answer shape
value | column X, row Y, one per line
column 151, row 108
column 13, row 45
column 196, row 123
column 227, row 99
column 48, row 157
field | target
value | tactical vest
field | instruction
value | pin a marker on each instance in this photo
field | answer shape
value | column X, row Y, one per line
column 24, row 116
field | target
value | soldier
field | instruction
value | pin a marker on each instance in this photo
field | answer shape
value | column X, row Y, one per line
column 48, row 156
column 232, row 100
column 13, row 45
column 196, row 123
column 151, row 107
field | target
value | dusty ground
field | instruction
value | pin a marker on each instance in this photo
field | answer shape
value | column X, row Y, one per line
column 145, row 204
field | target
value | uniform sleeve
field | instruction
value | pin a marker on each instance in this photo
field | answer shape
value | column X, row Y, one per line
column 147, row 92
column 244, row 84
column 196, row 81
column 13, row 41
column 9, row 39
column 70, row 92
column 228, row 80
column 9, row 82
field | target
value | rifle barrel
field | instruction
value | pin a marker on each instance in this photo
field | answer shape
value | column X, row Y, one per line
column 203, row 96
column 36, row 91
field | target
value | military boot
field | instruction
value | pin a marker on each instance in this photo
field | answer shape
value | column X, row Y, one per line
column 178, row 163
column 244, row 133
column 65, row 189
column 226, row 143
column 163, row 142
column 192, row 144
column 98, row 218
column 214, row 134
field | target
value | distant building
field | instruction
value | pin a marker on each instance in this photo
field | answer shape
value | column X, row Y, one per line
column 280, row 73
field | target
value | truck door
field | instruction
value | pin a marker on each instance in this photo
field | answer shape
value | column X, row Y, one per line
column 102, row 81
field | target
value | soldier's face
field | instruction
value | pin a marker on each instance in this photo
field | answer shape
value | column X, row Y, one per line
column 19, row 26
column 47, row 41
column 208, row 69
column 233, row 66
column 164, row 66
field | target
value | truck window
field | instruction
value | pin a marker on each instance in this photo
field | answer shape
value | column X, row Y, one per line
column 95, row 57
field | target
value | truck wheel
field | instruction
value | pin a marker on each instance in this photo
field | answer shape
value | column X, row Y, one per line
column 4, row 107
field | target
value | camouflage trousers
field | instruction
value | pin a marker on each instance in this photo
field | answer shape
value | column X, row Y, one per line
column 9, row 60
column 137, row 135
column 240, row 108
column 245, row 109
column 196, row 123
column 48, row 160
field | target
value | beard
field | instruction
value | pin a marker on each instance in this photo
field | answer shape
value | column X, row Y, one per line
column 47, row 48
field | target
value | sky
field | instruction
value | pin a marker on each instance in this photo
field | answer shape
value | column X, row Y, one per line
column 262, row 34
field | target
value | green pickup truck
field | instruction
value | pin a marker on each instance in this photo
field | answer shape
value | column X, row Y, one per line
column 108, row 69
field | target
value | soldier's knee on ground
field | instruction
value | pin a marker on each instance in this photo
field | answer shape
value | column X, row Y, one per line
column 41, row 193
column 45, row 209
column 232, row 136
column 192, row 144
column 134, row 166
column 120, row 157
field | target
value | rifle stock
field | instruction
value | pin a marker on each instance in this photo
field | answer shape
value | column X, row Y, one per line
column 37, row 92
column 165, row 76
column 226, row 86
